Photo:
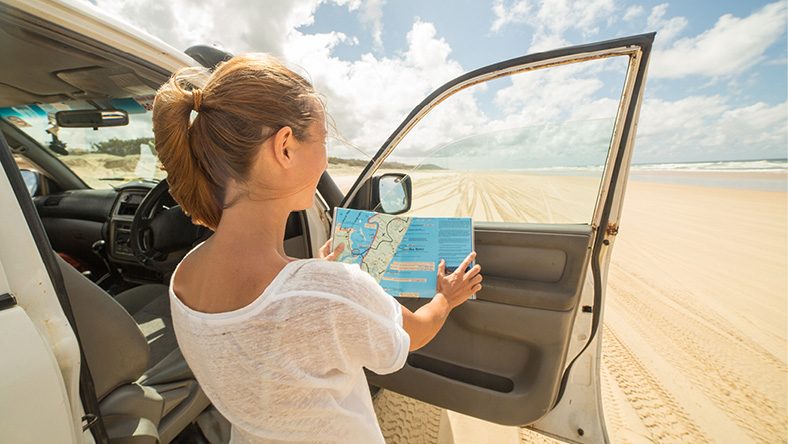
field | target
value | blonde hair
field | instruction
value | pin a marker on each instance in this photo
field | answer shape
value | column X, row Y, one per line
column 246, row 100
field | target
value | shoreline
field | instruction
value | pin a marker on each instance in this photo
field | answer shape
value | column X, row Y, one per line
column 737, row 180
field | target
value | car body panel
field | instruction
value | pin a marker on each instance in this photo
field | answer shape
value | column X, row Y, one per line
column 71, row 17
column 43, row 329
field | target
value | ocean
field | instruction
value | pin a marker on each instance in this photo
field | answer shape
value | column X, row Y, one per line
column 760, row 174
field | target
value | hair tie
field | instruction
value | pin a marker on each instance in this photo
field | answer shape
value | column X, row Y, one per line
column 197, row 98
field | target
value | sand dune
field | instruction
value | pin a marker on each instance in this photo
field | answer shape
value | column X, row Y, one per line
column 695, row 339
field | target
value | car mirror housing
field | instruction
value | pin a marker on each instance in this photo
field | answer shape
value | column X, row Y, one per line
column 92, row 118
column 390, row 193
column 32, row 180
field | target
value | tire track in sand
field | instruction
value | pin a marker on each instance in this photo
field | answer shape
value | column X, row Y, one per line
column 405, row 420
column 663, row 417
column 719, row 362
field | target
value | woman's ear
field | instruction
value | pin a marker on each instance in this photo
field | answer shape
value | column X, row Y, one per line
column 283, row 140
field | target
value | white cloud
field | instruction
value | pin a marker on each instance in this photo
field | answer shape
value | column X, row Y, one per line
column 667, row 29
column 369, row 97
column 235, row 25
column 703, row 127
column 516, row 13
column 372, row 16
column 732, row 46
column 633, row 12
column 552, row 18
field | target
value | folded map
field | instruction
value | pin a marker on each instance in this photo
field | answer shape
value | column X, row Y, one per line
column 402, row 253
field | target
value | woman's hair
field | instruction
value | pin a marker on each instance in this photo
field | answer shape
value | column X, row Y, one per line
column 246, row 100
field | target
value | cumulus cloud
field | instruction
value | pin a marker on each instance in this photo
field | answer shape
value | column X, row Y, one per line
column 372, row 16
column 667, row 29
column 709, row 127
column 550, row 19
column 732, row 46
column 369, row 97
column 633, row 12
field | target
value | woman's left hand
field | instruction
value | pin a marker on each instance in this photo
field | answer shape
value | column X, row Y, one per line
column 326, row 253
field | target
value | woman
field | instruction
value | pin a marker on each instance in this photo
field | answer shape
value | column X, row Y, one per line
column 277, row 344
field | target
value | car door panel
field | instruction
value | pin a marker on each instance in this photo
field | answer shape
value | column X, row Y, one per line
column 532, row 266
column 507, row 347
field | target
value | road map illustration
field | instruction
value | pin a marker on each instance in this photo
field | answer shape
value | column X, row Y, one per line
column 402, row 253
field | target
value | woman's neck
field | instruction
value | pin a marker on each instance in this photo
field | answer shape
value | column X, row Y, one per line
column 256, row 225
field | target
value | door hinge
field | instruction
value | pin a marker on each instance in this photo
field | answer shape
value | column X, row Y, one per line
column 7, row 300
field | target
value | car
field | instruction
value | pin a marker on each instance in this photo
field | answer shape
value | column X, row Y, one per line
column 91, row 235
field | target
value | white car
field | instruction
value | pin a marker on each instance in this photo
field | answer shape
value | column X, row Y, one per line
column 90, row 235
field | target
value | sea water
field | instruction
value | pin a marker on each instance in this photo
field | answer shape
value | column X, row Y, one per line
column 759, row 174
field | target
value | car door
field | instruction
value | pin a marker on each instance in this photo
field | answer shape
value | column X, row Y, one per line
column 40, row 365
column 536, row 150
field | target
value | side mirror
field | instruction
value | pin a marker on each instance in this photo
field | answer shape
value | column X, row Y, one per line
column 389, row 193
column 392, row 193
column 32, row 181
column 91, row 118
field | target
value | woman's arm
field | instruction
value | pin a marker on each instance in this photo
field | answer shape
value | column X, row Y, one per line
column 452, row 290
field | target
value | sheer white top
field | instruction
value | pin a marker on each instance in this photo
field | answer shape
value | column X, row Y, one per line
column 287, row 368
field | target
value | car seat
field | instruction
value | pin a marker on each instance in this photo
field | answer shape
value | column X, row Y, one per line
column 145, row 389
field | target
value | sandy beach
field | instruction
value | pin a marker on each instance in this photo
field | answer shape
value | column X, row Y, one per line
column 695, row 326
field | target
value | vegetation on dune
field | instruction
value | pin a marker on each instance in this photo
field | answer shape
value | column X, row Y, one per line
column 120, row 147
column 360, row 163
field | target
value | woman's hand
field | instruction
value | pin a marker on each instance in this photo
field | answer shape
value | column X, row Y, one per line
column 451, row 291
column 457, row 287
column 326, row 253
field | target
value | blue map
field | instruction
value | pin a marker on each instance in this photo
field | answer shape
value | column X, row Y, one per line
column 402, row 253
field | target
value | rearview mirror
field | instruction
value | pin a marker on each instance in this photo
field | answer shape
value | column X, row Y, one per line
column 91, row 118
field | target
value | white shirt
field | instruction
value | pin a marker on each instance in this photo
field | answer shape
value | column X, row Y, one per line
column 287, row 368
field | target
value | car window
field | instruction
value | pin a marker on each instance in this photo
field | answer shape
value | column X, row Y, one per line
column 529, row 147
column 104, row 157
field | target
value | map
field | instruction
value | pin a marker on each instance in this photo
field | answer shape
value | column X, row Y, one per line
column 402, row 253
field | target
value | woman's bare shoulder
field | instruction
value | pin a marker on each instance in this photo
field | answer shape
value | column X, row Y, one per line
column 211, row 280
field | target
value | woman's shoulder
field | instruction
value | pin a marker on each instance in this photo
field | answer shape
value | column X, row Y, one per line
column 325, row 276
column 333, row 279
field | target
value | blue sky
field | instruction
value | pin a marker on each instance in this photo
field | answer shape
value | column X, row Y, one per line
column 717, row 86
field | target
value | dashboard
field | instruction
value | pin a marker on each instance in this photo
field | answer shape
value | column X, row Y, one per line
column 76, row 220
column 86, row 224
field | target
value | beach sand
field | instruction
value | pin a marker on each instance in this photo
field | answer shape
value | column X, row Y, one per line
column 695, row 327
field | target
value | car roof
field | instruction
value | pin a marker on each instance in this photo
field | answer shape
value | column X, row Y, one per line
column 60, row 50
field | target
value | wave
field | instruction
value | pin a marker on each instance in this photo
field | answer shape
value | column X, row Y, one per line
column 743, row 166
column 736, row 166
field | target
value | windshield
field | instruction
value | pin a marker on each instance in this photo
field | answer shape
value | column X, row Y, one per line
column 104, row 157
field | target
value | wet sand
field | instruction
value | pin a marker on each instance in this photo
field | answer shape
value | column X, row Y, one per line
column 695, row 329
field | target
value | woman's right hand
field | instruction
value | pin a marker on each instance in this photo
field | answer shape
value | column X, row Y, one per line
column 457, row 287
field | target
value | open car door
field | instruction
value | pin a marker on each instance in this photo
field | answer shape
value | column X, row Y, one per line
column 536, row 150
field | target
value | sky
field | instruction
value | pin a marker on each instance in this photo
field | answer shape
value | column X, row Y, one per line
column 717, row 85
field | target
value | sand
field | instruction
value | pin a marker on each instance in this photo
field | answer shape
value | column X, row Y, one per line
column 695, row 330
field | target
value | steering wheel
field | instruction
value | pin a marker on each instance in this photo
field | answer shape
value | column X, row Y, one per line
column 160, row 235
